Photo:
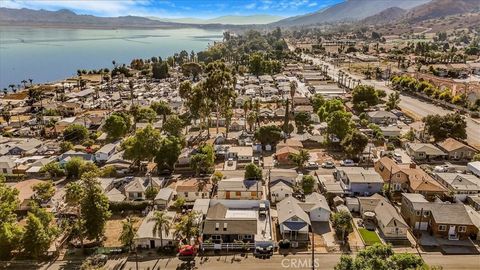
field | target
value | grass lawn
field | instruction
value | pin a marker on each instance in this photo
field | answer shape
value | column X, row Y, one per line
column 369, row 237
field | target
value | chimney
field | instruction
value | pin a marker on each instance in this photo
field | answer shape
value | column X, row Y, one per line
column 413, row 165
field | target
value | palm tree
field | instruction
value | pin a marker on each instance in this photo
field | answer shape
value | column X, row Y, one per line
column 162, row 224
column 246, row 106
column 300, row 158
column 128, row 233
column 187, row 226
column 293, row 90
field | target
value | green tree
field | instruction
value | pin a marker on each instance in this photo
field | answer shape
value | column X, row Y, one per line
column 143, row 146
column 115, row 126
column 339, row 124
column 173, row 126
column 10, row 232
column 270, row 134
column 308, row 184
column 381, row 257
column 354, row 143
column 364, row 95
column 162, row 224
column 342, row 224
column 161, row 108
column 252, row 171
column 317, row 102
column 75, row 133
column 203, row 161
column 216, row 177
column 44, row 191
column 66, row 146
column 53, row 169
column 94, row 206
column 73, row 167
column 442, row 127
column 128, row 233
column 37, row 237
column 300, row 159
column 191, row 69
column 393, row 100
column 476, row 157
column 187, row 226
column 255, row 63
column 151, row 192
column 74, row 194
column 145, row 114
column 160, row 70
column 303, row 122
column 179, row 203
column 168, row 153
column 330, row 106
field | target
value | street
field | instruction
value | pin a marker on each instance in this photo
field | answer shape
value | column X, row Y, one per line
column 300, row 261
column 417, row 107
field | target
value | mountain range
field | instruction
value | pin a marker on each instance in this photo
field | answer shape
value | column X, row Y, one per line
column 361, row 11
column 350, row 10
column 229, row 19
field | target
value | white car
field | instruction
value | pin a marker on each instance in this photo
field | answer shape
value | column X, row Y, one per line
column 328, row 165
column 312, row 165
column 347, row 163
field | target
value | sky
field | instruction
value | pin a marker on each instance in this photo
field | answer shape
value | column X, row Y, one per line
column 175, row 8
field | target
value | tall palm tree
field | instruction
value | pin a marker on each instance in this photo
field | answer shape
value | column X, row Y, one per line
column 128, row 233
column 187, row 226
column 293, row 90
column 246, row 106
column 162, row 224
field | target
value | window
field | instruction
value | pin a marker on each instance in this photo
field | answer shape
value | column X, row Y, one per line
column 238, row 193
column 225, row 227
column 398, row 175
column 186, row 194
column 217, row 225
column 442, row 228
column 248, row 236
column 418, row 213
column 4, row 170
column 216, row 237
column 462, row 228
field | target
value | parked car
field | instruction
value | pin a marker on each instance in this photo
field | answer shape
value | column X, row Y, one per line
column 312, row 165
column 397, row 157
column 347, row 163
column 328, row 164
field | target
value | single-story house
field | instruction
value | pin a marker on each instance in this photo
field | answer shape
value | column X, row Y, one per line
column 457, row 150
column 424, row 151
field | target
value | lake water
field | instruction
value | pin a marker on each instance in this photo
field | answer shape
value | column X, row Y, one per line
column 47, row 54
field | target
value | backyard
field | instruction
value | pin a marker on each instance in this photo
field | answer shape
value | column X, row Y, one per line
column 369, row 237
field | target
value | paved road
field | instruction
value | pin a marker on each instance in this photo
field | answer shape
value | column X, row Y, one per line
column 417, row 107
column 300, row 261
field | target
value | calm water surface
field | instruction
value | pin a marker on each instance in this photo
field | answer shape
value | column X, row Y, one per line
column 46, row 54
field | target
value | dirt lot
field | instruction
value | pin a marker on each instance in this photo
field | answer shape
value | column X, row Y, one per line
column 113, row 229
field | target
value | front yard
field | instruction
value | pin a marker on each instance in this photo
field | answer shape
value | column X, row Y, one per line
column 369, row 237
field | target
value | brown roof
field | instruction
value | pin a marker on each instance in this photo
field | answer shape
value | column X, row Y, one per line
column 193, row 185
column 389, row 164
column 451, row 144
column 286, row 150
column 421, row 181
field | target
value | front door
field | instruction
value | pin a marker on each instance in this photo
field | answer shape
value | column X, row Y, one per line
column 152, row 243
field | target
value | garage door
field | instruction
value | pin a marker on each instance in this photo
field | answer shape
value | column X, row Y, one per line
column 421, row 226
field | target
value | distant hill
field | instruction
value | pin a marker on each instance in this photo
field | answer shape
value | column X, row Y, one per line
column 349, row 10
column 67, row 18
column 229, row 19
column 441, row 8
column 387, row 16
